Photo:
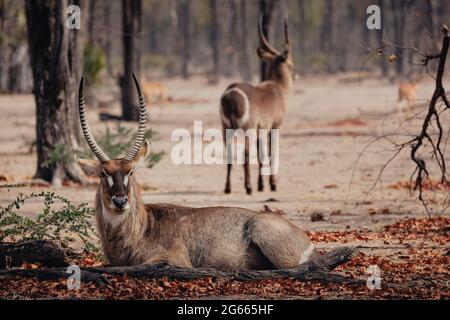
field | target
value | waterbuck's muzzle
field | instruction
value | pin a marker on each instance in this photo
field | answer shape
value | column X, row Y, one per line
column 120, row 202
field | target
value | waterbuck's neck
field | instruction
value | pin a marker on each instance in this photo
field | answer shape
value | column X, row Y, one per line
column 120, row 233
column 281, row 75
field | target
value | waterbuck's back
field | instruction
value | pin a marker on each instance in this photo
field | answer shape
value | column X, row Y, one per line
column 228, row 238
column 262, row 106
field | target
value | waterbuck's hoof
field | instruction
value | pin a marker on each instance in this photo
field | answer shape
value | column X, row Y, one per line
column 249, row 190
column 260, row 188
column 273, row 188
column 227, row 191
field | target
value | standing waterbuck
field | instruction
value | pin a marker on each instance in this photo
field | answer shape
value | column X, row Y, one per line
column 224, row 238
column 245, row 106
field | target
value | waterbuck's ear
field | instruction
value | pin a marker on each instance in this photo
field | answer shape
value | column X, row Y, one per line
column 90, row 167
column 143, row 154
column 264, row 54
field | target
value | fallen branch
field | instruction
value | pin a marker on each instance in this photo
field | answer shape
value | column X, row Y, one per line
column 45, row 253
column 309, row 271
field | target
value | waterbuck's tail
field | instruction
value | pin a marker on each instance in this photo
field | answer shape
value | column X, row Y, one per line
column 235, row 108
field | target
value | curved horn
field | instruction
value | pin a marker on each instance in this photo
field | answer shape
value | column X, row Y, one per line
column 263, row 38
column 101, row 156
column 140, row 136
column 286, row 33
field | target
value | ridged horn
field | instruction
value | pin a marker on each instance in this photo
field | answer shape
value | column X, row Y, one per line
column 140, row 136
column 266, row 44
column 101, row 156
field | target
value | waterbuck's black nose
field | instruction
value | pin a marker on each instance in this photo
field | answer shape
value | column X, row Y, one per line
column 120, row 202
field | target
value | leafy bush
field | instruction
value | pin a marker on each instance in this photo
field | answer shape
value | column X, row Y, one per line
column 59, row 225
column 94, row 62
column 59, row 154
column 116, row 143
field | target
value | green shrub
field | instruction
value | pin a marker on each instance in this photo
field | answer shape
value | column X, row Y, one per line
column 59, row 225
column 59, row 154
column 94, row 62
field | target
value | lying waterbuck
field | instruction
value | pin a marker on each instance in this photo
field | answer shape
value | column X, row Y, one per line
column 224, row 238
column 245, row 106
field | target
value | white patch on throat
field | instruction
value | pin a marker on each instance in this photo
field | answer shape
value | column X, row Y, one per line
column 305, row 256
column 246, row 116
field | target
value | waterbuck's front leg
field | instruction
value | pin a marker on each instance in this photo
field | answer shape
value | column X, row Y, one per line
column 273, row 179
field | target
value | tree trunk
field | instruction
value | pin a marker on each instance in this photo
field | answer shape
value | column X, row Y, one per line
column 56, row 67
column 342, row 18
column 398, row 8
column 156, row 11
column 131, row 28
column 266, row 9
column 92, row 21
column 301, row 34
column 245, row 60
column 215, row 41
column 229, row 68
column 108, row 41
column 184, row 16
column 432, row 24
column 328, row 30
column 3, row 57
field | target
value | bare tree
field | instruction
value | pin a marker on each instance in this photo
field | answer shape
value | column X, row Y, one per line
column 244, row 43
column 425, row 136
column 56, row 66
column 3, row 58
column 131, row 29
column 107, row 43
column 431, row 135
column 215, row 35
column 232, row 39
column 399, row 12
column 184, row 24
column 92, row 22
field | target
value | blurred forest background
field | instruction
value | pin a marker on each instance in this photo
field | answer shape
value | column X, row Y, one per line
column 214, row 39
column 218, row 38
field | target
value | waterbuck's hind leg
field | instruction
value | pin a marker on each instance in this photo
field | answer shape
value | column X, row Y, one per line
column 281, row 242
column 229, row 160
column 273, row 178
column 248, row 186
column 228, row 183
column 260, row 176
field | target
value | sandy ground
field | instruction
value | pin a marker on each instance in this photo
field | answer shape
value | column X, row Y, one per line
column 329, row 122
